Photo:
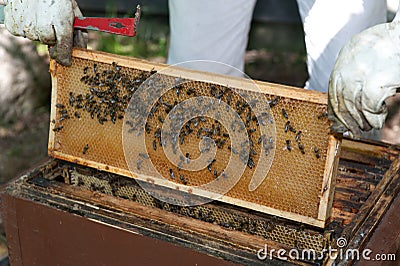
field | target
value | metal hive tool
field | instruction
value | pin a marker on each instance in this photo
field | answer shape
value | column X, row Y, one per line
column 93, row 119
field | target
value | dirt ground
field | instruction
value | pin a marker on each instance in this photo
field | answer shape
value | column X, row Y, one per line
column 23, row 145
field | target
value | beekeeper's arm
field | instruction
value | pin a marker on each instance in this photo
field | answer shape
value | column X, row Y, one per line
column 47, row 21
column 366, row 73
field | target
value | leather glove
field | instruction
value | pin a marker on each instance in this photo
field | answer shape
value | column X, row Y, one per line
column 47, row 21
column 366, row 73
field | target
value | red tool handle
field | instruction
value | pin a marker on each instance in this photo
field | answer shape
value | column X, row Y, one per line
column 121, row 26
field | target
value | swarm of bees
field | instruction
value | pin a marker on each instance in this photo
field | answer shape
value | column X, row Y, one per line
column 108, row 95
column 111, row 90
column 201, row 126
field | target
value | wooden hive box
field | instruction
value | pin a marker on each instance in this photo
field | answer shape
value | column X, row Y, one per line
column 64, row 213
column 272, row 144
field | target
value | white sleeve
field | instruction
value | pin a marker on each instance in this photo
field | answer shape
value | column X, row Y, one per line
column 328, row 25
column 215, row 30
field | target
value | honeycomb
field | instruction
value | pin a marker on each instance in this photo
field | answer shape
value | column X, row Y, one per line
column 276, row 146
column 292, row 235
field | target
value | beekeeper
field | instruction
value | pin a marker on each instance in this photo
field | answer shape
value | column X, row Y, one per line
column 363, row 77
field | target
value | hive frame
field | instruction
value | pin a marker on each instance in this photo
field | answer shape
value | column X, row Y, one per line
column 327, row 188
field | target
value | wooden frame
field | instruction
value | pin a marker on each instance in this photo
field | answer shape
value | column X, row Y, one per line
column 327, row 186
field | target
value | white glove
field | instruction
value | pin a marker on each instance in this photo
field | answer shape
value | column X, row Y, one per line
column 47, row 21
column 366, row 72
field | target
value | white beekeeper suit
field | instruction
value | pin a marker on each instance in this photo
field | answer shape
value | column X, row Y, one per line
column 210, row 30
column 218, row 30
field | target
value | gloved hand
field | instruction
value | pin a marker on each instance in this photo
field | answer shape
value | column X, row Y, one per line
column 47, row 21
column 366, row 72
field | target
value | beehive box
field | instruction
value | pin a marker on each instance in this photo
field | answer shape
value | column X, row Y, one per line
column 203, row 136
column 100, row 217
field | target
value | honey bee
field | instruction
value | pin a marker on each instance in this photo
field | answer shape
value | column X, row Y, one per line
column 261, row 138
column 157, row 133
column 287, row 125
column 298, row 136
column 229, row 98
column 58, row 128
column 274, row 102
column 248, row 118
column 252, row 130
column 116, row 66
column 178, row 89
column 71, row 99
column 233, row 150
column 190, row 91
column 183, row 180
column 154, row 145
column 147, row 128
column 195, row 122
column 301, row 148
column 144, row 155
column 323, row 115
column 288, row 146
column 199, row 133
column 85, row 149
column 250, row 163
column 284, row 113
column 316, row 151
